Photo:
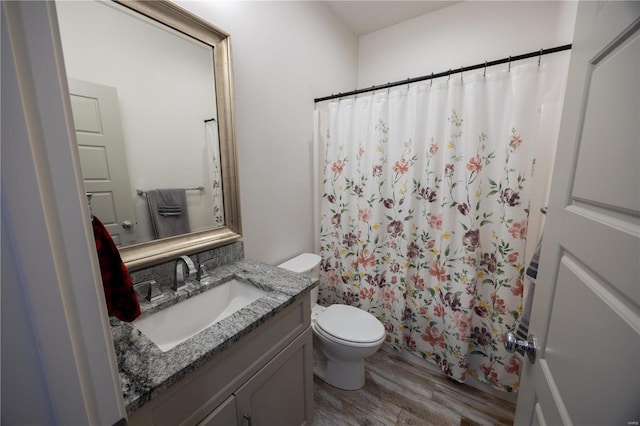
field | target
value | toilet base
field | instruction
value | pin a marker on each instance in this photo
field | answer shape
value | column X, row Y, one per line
column 347, row 375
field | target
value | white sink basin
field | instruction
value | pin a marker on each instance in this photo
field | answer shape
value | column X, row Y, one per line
column 177, row 323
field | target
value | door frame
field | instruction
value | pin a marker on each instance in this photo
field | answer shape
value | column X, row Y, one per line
column 45, row 212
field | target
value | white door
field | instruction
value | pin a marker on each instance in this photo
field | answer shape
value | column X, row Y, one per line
column 586, row 310
column 96, row 117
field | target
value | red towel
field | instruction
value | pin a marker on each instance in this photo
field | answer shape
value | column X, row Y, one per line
column 122, row 301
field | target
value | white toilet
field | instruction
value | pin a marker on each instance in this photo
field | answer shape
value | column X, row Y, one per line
column 343, row 336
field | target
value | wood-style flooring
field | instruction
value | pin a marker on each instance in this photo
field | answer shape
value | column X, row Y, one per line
column 399, row 393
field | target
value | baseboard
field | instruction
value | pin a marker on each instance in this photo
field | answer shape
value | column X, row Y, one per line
column 470, row 380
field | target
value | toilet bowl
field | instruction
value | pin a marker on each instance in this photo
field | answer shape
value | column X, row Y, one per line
column 343, row 336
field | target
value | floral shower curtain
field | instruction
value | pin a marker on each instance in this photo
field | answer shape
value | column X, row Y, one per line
column 212, row 165
column 424, row 215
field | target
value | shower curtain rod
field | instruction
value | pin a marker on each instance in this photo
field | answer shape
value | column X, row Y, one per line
column 508, row 60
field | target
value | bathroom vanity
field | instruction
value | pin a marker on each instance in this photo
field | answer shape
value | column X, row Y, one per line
column 254, row 366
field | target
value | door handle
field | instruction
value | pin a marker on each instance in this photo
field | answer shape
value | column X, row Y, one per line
column 127, row 224
column 530, row 347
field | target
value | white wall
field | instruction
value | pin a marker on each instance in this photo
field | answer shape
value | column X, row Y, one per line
column 466, row 33
column 284, row 55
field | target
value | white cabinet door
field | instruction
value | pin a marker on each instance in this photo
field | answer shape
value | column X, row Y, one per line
column 96, row 117
column 586, row 312
column 281, row 393
column 224, row 415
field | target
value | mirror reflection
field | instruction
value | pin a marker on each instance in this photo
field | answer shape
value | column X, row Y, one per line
column 144, row 105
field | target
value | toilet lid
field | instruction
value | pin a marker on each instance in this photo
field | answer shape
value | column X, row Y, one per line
column 351, row 324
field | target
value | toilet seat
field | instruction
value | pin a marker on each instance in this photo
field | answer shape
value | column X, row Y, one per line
column 349, row 325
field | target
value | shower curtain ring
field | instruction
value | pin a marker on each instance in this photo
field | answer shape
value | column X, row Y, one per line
column 449, row 77
column 431, row 82
column 484, row 74
column 540, row 57
column 461, row 68
column 509, row 63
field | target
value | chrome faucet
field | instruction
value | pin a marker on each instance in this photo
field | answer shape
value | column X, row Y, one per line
column 182, row 278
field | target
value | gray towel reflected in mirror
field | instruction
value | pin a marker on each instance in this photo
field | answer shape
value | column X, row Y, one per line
column 168, row 212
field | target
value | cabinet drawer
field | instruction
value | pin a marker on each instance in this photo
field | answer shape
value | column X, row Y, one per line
column 192, row 398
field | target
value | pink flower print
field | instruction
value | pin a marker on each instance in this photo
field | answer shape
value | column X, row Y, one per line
column 515, row 141
column 377, row 170
column 361, row 150
column 388, row 296
column 431, row 244
column 366, row 293
column 394, row 279
column 513, row 367
column 463, row 323
column 333, row 279
column 518, row 288
column 364, row 215
column 498, row 304
column 519, row 230
column 389, row 329
column 433, row 337
column 513, row 257
column 435, row 221
column 439, row 311
column 337, row 167
column 475, row 163
column 366, row 259
column 490, row 374
column 433, row 148
column 418, row 281
column 401, row 166
column 438, row 271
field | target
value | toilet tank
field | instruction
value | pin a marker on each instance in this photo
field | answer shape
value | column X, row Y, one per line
column 307, row 264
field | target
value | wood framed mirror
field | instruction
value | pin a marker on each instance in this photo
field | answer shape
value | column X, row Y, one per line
column 167, row 18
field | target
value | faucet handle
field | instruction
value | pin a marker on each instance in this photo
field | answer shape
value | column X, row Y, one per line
column 154, row 292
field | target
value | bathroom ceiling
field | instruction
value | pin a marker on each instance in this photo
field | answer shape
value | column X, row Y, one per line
column 363, row 17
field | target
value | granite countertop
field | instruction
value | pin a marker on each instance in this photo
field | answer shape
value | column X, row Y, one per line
column 145, row 371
